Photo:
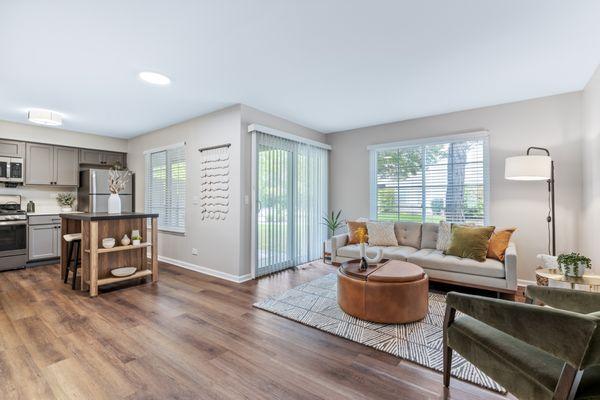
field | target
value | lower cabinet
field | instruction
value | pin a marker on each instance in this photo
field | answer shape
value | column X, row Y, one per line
column 44, row 240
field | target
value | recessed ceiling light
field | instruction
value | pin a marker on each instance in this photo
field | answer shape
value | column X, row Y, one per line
column 154, row 78
column 44, row 117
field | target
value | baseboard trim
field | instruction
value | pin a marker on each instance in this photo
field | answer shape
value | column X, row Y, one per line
column 525, row 282
column 206, row 270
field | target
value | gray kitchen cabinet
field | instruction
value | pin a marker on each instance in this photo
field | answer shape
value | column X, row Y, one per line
column 51, row 165
column 44, row 241
column 113, row 158
column 39, row 164
column 10, row 148
column 98, row 157
column 66, row 166
column 93, row 157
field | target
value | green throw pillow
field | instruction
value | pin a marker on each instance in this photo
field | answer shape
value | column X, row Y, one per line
column 470, row 242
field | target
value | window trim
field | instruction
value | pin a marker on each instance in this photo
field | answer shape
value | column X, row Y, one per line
column 461, row 137
column 166, row 229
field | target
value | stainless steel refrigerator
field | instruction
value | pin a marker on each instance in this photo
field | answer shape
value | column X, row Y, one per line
column 93, row 192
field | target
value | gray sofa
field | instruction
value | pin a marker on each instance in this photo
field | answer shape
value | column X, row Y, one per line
column 417, row 243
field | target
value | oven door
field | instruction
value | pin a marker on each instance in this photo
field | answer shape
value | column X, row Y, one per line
column 13, row 238
column 4, row 169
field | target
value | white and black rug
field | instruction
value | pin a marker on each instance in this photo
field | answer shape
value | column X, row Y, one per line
column 314, row 304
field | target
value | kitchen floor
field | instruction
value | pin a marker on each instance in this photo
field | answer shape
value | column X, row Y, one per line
column 191, row 336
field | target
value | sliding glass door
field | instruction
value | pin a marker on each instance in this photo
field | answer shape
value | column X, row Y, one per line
column 290, row 199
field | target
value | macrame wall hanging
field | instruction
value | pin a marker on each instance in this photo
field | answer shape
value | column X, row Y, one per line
column 214, row 182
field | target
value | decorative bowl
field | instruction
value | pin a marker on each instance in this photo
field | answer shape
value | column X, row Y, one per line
column 108, row 243
column 123, row 271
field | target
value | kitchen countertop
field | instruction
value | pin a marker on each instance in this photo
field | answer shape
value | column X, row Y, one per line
column 105, row 216
column 42, row 213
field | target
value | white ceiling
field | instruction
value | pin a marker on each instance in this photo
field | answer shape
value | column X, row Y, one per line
column 330, row 65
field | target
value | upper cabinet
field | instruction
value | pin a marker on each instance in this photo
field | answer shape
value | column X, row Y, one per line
column 51, row 165
column 10, row 148
column 90, row 157
column 96, row 157
column 39, row 164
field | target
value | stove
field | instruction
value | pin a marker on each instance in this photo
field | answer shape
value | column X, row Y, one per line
column 13, row 233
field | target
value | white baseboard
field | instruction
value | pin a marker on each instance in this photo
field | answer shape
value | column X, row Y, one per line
column 525, row 282
column 206, row 271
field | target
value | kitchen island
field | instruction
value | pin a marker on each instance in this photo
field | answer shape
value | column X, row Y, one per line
column 97, row 261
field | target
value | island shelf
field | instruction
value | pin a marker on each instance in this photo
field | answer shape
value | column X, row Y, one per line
column 96, row 261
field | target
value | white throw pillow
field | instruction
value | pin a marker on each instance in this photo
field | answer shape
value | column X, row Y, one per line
column 381, row 234
column 444, row 236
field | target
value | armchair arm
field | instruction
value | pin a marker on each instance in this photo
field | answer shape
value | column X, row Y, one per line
column 337, row 241
column 565, row 299
column 564, row 334
column 510, row 266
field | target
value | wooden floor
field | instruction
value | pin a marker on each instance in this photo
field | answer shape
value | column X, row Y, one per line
column 188, row 337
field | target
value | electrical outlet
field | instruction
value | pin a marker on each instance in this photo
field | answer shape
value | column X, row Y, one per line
column 194, row 252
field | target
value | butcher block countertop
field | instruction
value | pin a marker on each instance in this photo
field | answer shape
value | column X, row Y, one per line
column 106, row 216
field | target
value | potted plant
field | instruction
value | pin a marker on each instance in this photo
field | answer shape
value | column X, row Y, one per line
column 136, row 240
column 333, row 222
column 65, row 201
column 573, row 264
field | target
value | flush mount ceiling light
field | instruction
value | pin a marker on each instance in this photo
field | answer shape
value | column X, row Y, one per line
column 44, row 117
column 154, row 78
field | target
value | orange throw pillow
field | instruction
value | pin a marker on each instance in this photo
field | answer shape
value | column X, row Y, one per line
column 499, row 242
column 352, row 227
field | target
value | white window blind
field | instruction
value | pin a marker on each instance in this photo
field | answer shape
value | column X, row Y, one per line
column 432, row 180
column 165, row 187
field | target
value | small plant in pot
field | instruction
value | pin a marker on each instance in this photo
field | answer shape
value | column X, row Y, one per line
column 137, row 240
column 66, row 201
column 573, row 264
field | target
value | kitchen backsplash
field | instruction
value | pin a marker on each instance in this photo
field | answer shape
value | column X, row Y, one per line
column 43, row 197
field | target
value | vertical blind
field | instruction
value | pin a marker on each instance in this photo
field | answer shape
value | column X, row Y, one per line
column 165, row 187
column 432, row 181
column 291, row 193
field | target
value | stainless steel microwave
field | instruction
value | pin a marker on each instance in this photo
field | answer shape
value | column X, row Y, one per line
column 11, row 169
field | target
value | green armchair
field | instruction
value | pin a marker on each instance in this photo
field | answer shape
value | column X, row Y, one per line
column 535, row 352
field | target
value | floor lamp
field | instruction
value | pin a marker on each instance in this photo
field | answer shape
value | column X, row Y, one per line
column 532, row 167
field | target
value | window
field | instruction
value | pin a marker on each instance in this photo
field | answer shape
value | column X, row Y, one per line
column 165, row 186
column 431, row 180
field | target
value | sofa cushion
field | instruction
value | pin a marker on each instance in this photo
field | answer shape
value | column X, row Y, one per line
column 353, row 251
column 408, row 233
column 444, row 236
column 470, row 242
column 381, row 234
column 436, row 259
column 499, row 242
column 393, row 252
column 398, row 252
column 429, row 235
column 353, row 226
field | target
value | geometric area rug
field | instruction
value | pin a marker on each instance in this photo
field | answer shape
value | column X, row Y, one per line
column 315, row 304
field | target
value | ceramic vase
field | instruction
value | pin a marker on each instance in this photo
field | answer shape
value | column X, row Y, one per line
column 114, row 204
column 125, row 241
column 363, row 254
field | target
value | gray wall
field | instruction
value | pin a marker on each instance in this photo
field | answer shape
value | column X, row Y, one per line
column 217, row 241
column 553, row 122
column 590, row 206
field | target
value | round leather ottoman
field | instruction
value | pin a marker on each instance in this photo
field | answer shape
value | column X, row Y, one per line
column 394, row 292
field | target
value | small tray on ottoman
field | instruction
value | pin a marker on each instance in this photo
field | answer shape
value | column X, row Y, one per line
column 352, row 268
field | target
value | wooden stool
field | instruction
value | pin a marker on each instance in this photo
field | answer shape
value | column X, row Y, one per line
column 73, row 239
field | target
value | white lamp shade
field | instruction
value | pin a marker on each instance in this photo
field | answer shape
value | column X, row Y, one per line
column 528, row 168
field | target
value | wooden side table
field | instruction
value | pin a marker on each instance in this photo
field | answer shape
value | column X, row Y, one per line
column 544, row 275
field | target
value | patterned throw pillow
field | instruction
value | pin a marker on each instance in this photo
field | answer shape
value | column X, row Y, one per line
column 444, row 236
column 352, row 227
column 381, row 234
